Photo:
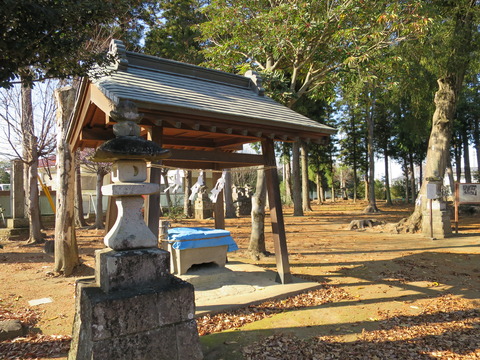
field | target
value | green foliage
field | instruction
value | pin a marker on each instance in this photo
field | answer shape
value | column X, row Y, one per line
column 308, row 42
column 397, row 190
column 174, row 35
column 49, row 38
column 380, row 190
column 4, row 172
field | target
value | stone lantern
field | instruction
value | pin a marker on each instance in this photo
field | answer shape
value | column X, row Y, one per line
column 134, row 308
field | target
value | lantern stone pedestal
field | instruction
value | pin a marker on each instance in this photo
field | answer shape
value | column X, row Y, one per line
column 133, row 309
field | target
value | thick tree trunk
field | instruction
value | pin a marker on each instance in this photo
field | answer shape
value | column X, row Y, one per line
column 79, row 219
column 387, row 178
column 318, row 179
column 305, row 188
column 256, row 247
column 187, row 204
column 296, row 181
column 99, row 215
column 228, row 196
column 66, row 249
column 438, row 147
column 29, row 143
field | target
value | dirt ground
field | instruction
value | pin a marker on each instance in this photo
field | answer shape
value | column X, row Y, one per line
column 395, row 284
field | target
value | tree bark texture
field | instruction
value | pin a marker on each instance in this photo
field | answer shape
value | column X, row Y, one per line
column 79, row 219
column 99, row 203
column 29, row 143
column 296, row 181
column 372, row 205
column 387, row 179
column 287, row 177
column 305, row 188
column 476, row 141
column 412, row 176
column 407, row 182
column 187, row 204
column 466, row 156
column 227, row 193
column 438, row 147
column 66, row 249
column 256, row 247
column 457, row 153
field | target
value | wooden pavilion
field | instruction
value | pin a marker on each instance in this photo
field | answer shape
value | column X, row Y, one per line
column 202, row 116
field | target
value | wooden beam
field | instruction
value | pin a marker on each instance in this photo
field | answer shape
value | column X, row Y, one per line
column 216, row 157
column 97, row 133
column 278, row 225
column 204, row 143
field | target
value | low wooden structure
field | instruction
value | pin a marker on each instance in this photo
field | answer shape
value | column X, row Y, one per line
column 203, row 116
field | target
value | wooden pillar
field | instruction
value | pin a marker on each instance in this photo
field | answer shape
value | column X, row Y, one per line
column 278, row 225
column 152, row 205
column 218, row 209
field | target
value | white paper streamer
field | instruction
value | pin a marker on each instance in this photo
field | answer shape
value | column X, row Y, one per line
column 196, row 186
column 177, row 182
column 218, row 187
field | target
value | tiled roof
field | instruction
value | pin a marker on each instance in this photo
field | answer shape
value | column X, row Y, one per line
column 182, row 88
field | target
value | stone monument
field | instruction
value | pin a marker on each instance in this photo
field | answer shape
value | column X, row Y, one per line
column 436, row 220
column 203, row 205
column 133, row 309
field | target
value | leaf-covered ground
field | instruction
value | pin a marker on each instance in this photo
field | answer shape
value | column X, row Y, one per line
column 448, row 329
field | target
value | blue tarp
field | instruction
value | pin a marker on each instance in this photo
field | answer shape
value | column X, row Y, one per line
column 194, row 237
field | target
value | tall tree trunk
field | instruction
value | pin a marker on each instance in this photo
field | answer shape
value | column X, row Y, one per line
column 449, row 173
column 438, row 146
column 256, row 247
column 412, row 176
column 296, row 182
column 420, row 177
column 287, row 174
column 476, row 142
column 228, row 196
column 79, row 219
column 457, row 152
column 305, row 188
column 30, row 154
column 66, row 249
column 354, row 155
column 407, row 182
column 387, row 178
column 466, row 156
column 372, row 204
column 332, row 171
column 318, row 179
column 99, row 215
column 187, row 204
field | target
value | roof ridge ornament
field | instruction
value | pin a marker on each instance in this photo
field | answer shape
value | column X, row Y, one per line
column 118, row 50
column 257, row 81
